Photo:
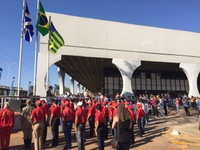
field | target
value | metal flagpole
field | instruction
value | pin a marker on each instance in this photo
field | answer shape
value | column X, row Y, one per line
column 21, row 48
column 48, row 54
column 36, row 54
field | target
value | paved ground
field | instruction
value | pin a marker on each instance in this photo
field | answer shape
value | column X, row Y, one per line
column 157, row 135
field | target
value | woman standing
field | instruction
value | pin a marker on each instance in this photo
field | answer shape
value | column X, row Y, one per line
column 177, row 106
column 125, row 124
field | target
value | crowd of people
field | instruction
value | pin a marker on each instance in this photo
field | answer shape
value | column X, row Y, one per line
column 116, row 116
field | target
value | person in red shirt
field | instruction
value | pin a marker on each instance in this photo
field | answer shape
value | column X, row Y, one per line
column 7, row 120
column 45, row 108
column 54, row 122
column 79, row 125
column 37, row 119
column 68, row 119
column 71, row 105
column 105, row 111
column 62, row 107
column 139, row 116
column 85, row 111
column 90, row 118
column 99, row 126
column 110, row 114
column 131, row 114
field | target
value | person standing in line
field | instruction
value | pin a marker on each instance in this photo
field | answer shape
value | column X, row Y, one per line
column 186, row 105
column 198, row 104
column 130, row 111
column 105, row 111
column 139, row 115
column 62, row 107
column 54, row 122
column 90, row 118
column 99, row 126
column 177, row 106
column 45, row 108
column 146, row 111
column 37, row 119
column 123, row 121
column 26, row 123
column 68, row 119
column 79, row 125
column 85, row 111
column 7, row 120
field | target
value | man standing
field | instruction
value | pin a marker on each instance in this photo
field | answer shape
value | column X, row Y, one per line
column 37, row 118
column 79, row 126
column 90, row 118
column 54, row 122
column 26, row 123
column 50, row 95
column 45, row 108
column 7, row 120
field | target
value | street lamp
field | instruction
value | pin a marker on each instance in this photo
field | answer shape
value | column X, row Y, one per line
column 9, row 65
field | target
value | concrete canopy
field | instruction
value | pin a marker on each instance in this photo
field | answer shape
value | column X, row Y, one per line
column 91, row 44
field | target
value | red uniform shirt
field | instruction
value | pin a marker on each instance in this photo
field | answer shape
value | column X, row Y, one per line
column 71, row 105
column 105, row 111
column 45, row 108
column 91, row 111
column 85, row 112
column 115, row 111
column 131, row 114
column 140, row 113
column 99, row 116
column 38, row 114
column 110, row 111
column 80, row 116
column 7, row 118
column 68, row 114
column 56, row 112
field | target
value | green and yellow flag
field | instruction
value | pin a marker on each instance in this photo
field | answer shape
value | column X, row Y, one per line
column 56, row 40
column 42, row 21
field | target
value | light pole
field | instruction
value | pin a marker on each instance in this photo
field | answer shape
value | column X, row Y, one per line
column 9, row 65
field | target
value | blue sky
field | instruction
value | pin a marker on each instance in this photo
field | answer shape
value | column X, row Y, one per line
column 172, row 14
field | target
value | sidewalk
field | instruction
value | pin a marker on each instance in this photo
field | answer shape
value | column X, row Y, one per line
column 157, row 135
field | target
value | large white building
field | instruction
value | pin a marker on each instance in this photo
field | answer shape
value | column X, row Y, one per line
column 111, row 57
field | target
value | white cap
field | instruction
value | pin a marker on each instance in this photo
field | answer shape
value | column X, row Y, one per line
column 79, row 103
column 88, row 101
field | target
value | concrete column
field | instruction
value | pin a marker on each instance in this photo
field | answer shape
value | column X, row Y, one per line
column 78, row 88
column 192, row 72
column 42, row 71
column 126, row 68
column 61, row 77
column 72, row 85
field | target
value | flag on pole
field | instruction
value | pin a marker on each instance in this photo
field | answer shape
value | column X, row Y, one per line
column 28, row 26
column 56, row 40
column 42, row 22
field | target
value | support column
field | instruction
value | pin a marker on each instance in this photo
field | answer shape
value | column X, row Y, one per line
column 78, row 88
column 72, row 85
column 126, row 68
column 192, row 72
column 61, row 78
column 83, row 90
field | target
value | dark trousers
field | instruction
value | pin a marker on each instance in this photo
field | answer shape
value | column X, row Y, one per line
column 132, row 137
column 187, row 111
column 106, row 129
column 140, row 129
column 44, row 133
column 165, row 109
column 153, row 108
column 67, row 131
column 91, row 123
column 79, row 136
column 54, row 129
column 156, row 111
column 100, row 134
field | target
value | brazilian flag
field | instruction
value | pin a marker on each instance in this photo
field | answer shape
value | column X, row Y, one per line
column 42, row 22
column 56, row 40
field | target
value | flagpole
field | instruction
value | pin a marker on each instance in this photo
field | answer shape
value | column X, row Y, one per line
column 36, row 54
column 21, row 49
column 48, row 54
